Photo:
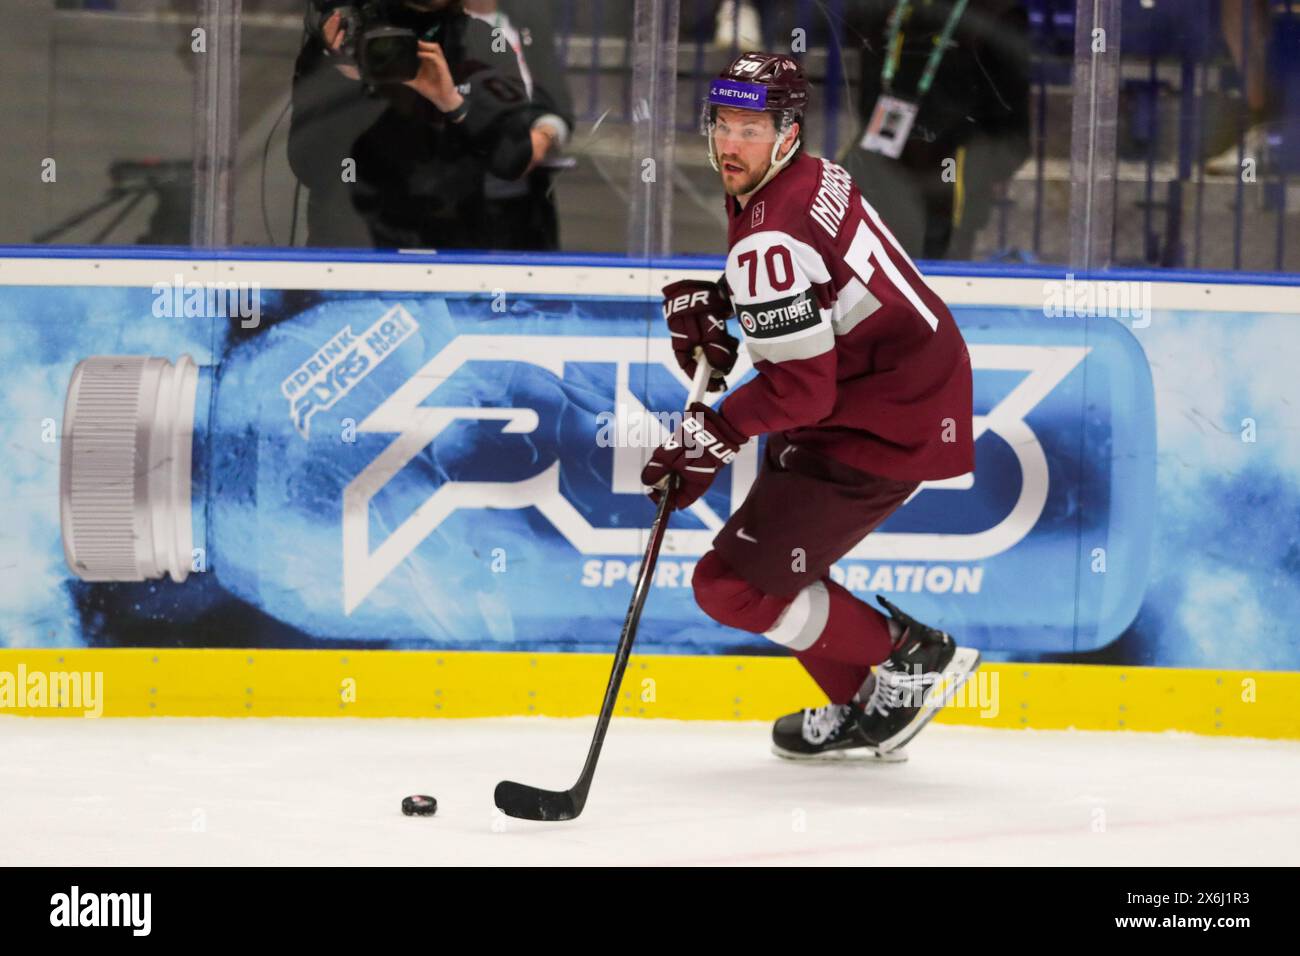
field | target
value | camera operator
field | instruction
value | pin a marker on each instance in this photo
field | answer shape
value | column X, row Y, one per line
column 394, row 150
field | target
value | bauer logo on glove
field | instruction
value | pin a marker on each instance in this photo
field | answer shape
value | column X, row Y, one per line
column 696, row 313
column 708, row 443
column 695, row 452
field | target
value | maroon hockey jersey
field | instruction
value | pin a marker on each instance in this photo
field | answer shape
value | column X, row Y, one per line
column 856, row 356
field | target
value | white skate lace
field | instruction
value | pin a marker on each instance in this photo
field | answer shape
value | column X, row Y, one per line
column 819, row 723
column 895, row 688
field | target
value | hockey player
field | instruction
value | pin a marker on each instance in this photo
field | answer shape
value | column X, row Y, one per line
column 863, row 391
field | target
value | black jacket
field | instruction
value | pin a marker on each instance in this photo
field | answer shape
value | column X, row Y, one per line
column 980, row 95
column 419, row 178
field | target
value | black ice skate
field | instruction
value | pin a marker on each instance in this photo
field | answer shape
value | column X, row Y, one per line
column 832, row 732
column 921, row 675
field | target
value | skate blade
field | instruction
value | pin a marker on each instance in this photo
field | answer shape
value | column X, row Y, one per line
column 859, row 755
column 965, row 661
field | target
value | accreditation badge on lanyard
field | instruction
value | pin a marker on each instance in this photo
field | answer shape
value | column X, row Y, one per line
column 889, row 127
column 893, row 117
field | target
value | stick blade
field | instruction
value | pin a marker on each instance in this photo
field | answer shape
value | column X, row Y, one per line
column 531, row 803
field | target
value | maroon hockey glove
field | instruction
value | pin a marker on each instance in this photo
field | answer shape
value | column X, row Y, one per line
column 696, row 452
column 697, row 313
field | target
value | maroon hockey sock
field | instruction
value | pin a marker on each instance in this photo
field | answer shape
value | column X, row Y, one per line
column 855, row 637
column 855, row 633
column 839, row 681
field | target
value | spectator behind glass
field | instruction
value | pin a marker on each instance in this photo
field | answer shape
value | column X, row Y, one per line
column 521, row 213
column 934, row 181
column 402, row 165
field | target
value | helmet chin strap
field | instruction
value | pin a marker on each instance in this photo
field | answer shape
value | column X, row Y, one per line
column 776, row 165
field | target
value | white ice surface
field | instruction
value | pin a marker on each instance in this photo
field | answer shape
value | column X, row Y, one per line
column 171, row 791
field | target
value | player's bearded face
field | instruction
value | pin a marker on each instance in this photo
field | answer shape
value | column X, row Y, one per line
column 742, row 143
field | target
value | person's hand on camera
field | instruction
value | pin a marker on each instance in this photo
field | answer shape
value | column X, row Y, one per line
column 332, row 33
column 434, row 81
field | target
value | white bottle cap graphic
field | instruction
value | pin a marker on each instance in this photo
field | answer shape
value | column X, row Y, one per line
column 124, row 468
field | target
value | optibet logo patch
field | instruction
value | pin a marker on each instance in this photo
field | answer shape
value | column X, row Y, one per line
column 781, row 317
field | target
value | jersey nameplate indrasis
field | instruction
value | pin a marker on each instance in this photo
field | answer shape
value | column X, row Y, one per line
column 831, row 203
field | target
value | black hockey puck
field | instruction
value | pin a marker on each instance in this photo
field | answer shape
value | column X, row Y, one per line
column 419, row 805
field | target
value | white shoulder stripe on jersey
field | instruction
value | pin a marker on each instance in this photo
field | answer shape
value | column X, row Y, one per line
column 853, row 303
column 803, row 345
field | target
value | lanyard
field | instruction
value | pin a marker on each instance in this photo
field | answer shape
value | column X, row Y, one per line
column 894, row 45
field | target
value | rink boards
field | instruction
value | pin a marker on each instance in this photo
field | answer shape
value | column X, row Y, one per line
column 280, row 683
column 1121, row 556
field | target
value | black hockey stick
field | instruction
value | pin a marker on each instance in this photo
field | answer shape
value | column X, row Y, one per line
column 532, row 803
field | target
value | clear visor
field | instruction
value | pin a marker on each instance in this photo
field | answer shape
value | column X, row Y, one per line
column 728, row 124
